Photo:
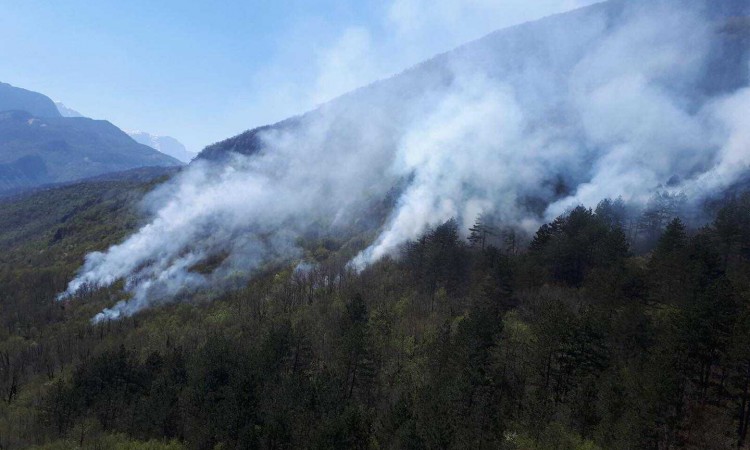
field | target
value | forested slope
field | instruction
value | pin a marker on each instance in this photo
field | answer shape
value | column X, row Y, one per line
column 573, row 338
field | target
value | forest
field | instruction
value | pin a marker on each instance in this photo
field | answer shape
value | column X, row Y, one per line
column 603, row 330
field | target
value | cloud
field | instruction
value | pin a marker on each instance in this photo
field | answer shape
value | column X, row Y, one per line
column 463, row 20
column 404, row 33
column 344, row 66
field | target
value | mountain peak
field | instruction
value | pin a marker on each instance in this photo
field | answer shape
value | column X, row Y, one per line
column 67, row 112
column 15, row 98
column 165, row 144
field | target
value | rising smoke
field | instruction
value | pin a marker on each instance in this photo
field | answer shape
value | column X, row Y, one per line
column 604, row 102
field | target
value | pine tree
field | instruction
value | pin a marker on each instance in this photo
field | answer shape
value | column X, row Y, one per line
column 481, row 232
column 669, row 275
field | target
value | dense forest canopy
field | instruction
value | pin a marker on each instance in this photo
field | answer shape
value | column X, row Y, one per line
column 604, row 329
column 439, row 259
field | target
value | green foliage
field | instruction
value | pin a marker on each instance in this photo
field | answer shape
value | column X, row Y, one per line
column 571, row 246
column 574, row 344
column 112, row 442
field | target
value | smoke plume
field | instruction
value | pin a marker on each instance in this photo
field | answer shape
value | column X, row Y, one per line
column 614, row 100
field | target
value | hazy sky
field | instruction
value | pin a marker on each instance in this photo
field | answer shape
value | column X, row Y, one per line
column 203, row 70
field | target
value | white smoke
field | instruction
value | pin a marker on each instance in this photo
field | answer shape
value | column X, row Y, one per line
column 499, row 126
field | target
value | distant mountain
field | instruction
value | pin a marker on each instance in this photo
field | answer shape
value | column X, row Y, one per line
column 67, row 112
column 39, row 150
column 14, row 98
column 165, row 144
column 43, row 142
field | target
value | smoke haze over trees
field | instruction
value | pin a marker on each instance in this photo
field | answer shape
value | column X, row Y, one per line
column 578, row 340
column 524, row 124
column 538, row 240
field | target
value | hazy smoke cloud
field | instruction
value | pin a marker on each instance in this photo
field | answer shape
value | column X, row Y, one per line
column 398, row 34
column 558, row 113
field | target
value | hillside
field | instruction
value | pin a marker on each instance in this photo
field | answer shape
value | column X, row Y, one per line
column 537, row 241
column 522, row 126
column 36, row 151
column 42, row 217
column 487, row 342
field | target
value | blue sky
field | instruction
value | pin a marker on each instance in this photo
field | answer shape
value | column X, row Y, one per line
column 202, row 71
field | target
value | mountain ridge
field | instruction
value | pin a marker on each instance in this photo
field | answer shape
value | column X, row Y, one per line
column 729, row 71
